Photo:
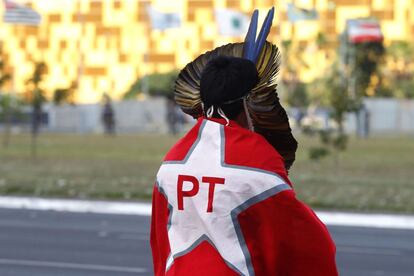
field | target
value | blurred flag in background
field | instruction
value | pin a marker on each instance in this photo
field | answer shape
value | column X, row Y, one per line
column 15, row 13
column 297, row 14
column 364, row 30
column 231, row 22
column 163, row 20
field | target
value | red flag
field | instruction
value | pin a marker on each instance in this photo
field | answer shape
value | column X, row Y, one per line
column 360, row 30
column 223, row 205
column 19, row 14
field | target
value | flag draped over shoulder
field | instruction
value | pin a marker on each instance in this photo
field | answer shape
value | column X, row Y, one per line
column 15, row 13
column 298, row 14
column 163, row 20
column 223, row 205
column 231, row 22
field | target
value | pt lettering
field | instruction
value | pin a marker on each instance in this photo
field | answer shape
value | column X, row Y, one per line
column 211, row 181
column 181, row 194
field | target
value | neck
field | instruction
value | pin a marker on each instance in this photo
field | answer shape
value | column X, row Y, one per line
column 241, row 120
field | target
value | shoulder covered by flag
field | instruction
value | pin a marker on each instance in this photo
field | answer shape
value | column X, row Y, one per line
column 15, row 13
column 205, row 218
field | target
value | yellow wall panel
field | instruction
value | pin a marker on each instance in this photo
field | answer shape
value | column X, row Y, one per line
column 306, row 30
column 394, row 31
column 204, row 16
column 322, row 5
column 245, row 5
column 286, row 30
column 305, row 4
column 113, row 37
column 378, row 4
column 347, row 12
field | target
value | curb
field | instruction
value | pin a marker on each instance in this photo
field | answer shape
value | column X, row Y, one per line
column 144, row 209
column 367, row 220
column 75, row 205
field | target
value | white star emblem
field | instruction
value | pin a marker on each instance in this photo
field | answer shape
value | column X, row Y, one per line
column 205, row 196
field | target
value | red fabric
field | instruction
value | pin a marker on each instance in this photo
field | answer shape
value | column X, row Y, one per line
column 295, row 242
column 250, row 149
column 204, row 260
column 283, row 235
column 10, row 5
column 181, row 148
column 159, row 238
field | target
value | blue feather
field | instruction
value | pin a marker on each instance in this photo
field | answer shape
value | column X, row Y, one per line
column 249, row 41
column 264, row 32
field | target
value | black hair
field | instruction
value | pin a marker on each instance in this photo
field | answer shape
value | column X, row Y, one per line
column 225, row 81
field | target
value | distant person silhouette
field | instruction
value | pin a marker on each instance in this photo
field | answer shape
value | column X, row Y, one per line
column 108, row 115
column 174, row 117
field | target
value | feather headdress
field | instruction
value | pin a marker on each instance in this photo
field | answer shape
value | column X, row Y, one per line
column 268, row 116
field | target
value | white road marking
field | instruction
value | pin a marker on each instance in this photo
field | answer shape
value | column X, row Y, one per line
column 78, row 206
column 133, row 237
column 72, row 266
column 368, row 251
column 144, row 209
column 367, row 220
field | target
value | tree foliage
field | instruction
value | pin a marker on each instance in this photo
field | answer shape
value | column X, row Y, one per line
column 158, row 84
column 334, row 139
column 364, row 66
column 8, row 104
column 368, row 57
column 4, row 75
column 65, row 95
column 292, row 61
column 298, row 95
column 398, row 78
column 36, row 97
column 296, row 92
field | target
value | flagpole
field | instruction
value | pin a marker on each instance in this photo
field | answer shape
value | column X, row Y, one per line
column 14, row 18
column 279, row 15
column 81, row 54
column 145, row 78
column 293, row 26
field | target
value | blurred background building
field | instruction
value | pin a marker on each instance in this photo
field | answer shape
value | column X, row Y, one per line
column 104, row 46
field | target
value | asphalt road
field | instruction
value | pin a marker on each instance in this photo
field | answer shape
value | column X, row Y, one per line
column 46, row 243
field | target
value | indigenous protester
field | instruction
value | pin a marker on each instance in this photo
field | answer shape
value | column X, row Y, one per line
column 223, row 203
